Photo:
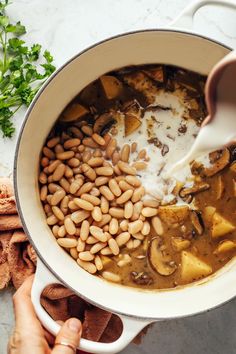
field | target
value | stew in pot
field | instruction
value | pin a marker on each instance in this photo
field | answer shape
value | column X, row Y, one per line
column 104, row 188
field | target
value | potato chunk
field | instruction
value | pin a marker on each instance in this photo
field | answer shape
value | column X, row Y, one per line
column 193, row 268
column 225, row 246
column 156, row 74
column 208, row 213
column 220, row 226
column 172, row 214
column 179, row 244
column 73, row 112
column 133, row 114
column 111, row 86
column 132, row 123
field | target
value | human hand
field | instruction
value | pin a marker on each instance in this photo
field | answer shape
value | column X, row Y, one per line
column 30, row 337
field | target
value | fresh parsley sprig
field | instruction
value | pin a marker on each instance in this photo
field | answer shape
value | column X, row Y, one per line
column 23, row 70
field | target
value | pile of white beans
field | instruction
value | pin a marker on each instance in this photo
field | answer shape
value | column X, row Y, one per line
column 93, row 199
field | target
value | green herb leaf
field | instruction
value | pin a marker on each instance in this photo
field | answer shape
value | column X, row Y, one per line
column 48, row 56
column 16, row 63
column 4, row 21
column 5, row 124
column 34, row 52
column 23, row 70
column 15, row 46
column 49, row 69
column 3, row 5
column 18, row 29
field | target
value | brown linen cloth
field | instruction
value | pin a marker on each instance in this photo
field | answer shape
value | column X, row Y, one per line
column 18, row 261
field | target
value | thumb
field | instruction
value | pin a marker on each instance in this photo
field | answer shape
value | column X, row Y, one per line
column 68, row 337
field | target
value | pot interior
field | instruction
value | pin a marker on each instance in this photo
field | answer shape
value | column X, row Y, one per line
column 158, row 46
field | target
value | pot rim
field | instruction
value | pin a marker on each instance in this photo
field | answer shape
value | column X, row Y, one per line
column 26, row 117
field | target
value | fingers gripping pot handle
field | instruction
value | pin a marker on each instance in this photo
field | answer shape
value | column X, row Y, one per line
column 131, row 326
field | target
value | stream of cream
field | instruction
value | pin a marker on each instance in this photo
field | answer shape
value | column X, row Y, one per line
column 221, row 130
column 163, row 125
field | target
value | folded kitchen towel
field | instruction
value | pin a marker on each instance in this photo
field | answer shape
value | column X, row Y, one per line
column 18, row 261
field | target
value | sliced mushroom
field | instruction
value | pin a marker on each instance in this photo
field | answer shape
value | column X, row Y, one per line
column 220, row 226
column 198, row 168
column 73, row 112
column 160, row 262
column 179, row 244
column 172, row 214
column 178, row 186
column 139, row 81
column 225, row 246
column 193, row 268
column 196, row 188
column 157, row 74
column 214, row 156
column 104, row 122
column 188, row 199
column 219, row 187
column 177, row 190
column 111, row 86
column 219, row 164
column 197, row 222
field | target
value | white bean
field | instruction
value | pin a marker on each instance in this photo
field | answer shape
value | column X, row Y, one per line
column 122, row 238
column 67, row 242
column 88, row 266
column 86, row 256
column 114, row 246
column 111, row 276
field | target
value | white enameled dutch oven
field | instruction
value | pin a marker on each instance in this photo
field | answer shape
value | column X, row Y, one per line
column 136, row 308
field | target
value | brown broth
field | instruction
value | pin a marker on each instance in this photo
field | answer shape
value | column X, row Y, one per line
column 202, row 246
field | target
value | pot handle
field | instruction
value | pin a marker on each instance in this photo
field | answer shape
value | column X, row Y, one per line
column 185, row 18
column 131, row 326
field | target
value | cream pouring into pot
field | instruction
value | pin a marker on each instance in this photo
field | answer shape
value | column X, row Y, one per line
column 219, row 128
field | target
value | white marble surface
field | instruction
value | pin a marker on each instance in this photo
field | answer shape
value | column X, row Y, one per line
column 66, row 27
